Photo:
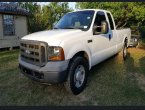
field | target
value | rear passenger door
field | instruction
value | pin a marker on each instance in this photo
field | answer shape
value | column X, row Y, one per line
column 101, row 42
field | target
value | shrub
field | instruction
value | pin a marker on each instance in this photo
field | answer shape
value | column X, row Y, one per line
column 142, row 34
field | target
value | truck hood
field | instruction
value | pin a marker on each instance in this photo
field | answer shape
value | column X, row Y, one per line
column 53, row 37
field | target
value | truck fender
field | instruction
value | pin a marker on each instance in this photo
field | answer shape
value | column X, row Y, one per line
column 78, row 48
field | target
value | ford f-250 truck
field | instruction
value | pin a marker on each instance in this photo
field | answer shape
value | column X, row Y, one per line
column 65, row 54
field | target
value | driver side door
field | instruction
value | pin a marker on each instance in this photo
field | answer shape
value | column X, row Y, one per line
column 100, row 45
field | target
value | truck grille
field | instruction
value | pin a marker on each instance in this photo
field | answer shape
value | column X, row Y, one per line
column 34, row 52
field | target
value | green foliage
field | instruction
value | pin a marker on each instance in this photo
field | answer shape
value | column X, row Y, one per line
column 53, row 12
column 142, row 34
column 44, row 17
column 125, row 13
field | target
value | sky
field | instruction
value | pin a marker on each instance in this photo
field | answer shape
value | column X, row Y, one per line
column 71, row 4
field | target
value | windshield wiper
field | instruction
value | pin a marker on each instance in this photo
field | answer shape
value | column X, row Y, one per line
column 68, row 28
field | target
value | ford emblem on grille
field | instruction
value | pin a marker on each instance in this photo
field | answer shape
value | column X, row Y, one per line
column 27, row 51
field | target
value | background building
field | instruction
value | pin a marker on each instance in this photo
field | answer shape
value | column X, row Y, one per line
column 13, row 24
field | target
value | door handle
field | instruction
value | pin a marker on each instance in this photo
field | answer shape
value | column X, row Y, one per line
column 89, row 41
column 109, row 36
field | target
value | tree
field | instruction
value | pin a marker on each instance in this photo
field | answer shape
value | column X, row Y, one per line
column 44, row 17
column 125, row 13
column 34, row 20
column 53, row 12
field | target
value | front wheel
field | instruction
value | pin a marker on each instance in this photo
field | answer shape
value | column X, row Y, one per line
column 77, row 77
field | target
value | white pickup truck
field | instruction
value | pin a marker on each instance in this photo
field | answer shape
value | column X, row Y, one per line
column 65, row 54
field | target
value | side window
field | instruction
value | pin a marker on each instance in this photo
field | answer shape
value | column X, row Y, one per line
column 100, row 16
column 8, row 25
column 110, row 21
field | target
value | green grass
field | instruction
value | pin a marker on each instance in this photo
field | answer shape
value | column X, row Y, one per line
column 112, row 82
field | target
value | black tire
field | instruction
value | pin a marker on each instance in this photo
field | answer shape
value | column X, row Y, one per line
column 124, row 51
column 74, row 65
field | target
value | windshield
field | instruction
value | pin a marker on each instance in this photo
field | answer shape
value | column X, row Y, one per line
column 76, row 20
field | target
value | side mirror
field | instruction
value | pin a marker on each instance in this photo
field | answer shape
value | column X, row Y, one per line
column 103, row 29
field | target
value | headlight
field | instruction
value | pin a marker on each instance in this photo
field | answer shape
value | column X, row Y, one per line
column 55, row 53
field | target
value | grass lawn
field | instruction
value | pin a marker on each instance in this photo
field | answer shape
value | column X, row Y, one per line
column 112, row 82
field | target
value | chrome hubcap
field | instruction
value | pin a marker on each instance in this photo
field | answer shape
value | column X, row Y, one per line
column 79, row 76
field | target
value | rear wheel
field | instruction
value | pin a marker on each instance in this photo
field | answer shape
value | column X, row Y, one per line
column 77, row 77
column 124, row 51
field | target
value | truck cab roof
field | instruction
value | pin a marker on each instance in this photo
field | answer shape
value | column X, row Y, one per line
column 91, row 9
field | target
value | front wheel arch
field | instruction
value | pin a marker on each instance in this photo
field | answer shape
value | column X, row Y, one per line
column 81, row 54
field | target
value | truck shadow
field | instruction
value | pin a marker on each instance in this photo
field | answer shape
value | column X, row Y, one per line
column 95, row 70
column 113, row 65
column 129, row 64
column 130, row 72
